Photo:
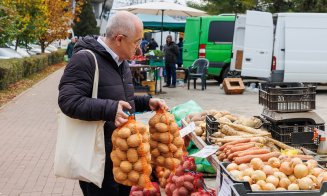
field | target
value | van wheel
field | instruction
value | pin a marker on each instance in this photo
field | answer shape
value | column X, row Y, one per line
column 223, row 74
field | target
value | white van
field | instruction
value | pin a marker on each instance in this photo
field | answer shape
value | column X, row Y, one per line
column 284, row 47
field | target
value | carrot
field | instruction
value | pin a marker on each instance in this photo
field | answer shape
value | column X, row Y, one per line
column 263, row 157
column 234, row 142
column 252, row 152
column 242, row 148
column 236, row 154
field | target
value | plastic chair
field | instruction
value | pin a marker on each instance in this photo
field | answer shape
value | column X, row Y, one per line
column 198, row 69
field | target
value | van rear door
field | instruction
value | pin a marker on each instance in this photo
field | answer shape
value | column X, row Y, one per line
column 306, row 48
column 191, row 40
column 258, row 44
column 238, row 43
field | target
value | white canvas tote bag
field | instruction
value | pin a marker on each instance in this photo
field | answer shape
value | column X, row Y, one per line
column 80, row 148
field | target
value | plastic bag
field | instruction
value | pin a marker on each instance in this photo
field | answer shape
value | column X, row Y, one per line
column 131, row 154
column 182, row 110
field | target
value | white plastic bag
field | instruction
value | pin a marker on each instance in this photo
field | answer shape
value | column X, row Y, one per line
column 80, row 150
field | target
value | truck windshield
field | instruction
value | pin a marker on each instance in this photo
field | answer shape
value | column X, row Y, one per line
column 221, row 31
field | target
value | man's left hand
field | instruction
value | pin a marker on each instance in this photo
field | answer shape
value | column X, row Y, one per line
column 156, row 104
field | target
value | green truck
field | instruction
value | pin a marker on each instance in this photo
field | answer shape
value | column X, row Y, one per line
column 210, row 37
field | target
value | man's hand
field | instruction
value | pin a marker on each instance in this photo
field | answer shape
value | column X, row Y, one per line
column 121, row 116
column 156, row 104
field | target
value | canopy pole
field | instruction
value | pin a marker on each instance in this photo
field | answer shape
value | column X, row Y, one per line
column 162, row 13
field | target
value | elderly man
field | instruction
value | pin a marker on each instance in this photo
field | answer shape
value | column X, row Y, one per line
column 116, row 91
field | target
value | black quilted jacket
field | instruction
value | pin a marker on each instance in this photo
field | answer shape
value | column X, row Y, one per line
column 115, row 83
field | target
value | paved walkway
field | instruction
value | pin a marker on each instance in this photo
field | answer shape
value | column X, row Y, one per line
column 28, row 131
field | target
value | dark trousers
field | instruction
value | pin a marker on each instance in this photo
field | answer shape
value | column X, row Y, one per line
column 109, row 185
column 171, row 73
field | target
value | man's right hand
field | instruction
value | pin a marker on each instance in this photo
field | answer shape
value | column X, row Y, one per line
column 121, row 116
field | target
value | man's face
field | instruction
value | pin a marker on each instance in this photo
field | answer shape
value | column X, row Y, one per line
column 129, row 43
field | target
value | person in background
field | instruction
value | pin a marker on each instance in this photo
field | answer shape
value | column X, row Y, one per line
column 116, row 91
column 171, row 53
column 180, row 54
column 144, row 46
column 153, row 44
column 70, row 48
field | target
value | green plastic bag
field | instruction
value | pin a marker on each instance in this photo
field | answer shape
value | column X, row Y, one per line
column 182, row 110
column 66, row 58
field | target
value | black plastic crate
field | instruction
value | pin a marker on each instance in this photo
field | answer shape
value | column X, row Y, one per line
column 292, row 98
column 297, row 135
column 211, row 126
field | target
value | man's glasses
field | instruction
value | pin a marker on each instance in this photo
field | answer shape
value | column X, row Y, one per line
column 137, row 43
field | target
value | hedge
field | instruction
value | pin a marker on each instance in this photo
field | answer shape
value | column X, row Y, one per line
column 12, row 70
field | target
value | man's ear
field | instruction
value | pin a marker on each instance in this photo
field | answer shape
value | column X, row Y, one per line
column 119, row 39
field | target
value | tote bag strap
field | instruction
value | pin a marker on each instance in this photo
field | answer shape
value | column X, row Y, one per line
column 96, row 75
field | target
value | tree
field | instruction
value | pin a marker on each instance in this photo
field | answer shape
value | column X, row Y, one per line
column 59, row 17
column 86, row 25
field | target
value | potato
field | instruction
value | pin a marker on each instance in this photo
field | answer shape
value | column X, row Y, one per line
column 176, row 162
column 121, row 144
column 167, row 155
column 153, row 130
column 120, row 176
column 177, row 134
column 128, row 183
column 155, row 136
column 141, row 128
column 196, row 117
column 173, row 127
column 178, row 153
column 115, row 160
column 231, row 117
column 142, row 180
column 182, row 191
column 163, row 148
column 160, row 160
column 125, row 166
column 134, row 140
column 172, row 148
column 148, row 157
column 153, row 144
column 133, row 176
column 138, row 166
column 121, row 154
column 131, row 127
column 132, row 155
column 146, row 137
column 114, row 136
column 167, row 118
column 143, row 149
column 178, row 141
column 154, row 120
column 198, row 131
column 155, row 152
column 124, row 133
column 161, row 127
column 169, row 163
column 166, row 138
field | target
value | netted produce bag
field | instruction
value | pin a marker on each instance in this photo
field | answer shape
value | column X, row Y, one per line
column 166, row 142
column 131, row 154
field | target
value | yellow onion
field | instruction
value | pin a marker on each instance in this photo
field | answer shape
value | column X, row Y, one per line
column 281, row 189
column 232, row 166
column 286, row 168
column 243, row 167
column 274, row 162
column 273, row 180
column 268, row 187
column 256, row 163
column 258, row 175
column 280, row 175
column 316, row 171
column 296, row 161
column 306, row 184
column 284, row 182
column 314, row 180
column 267, row 169
column 300, row 170
column 255, row 187
column 236, row 174
column 311, row 164
column 292, row 178
column 248, row 172
column 322, row 177
column 293, row 187
column 261, row 183
column 248, row 179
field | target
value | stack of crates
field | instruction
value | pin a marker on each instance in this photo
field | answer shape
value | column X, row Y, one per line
column 211, row 127
column 294, row 102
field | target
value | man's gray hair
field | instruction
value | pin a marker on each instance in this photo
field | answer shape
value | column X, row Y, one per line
column 122, row 22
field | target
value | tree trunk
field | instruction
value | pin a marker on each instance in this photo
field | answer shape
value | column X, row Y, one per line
column 16, row 45
column 42, row 46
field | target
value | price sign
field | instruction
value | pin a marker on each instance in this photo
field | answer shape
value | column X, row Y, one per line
column 205, row 152
column 187, row 130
